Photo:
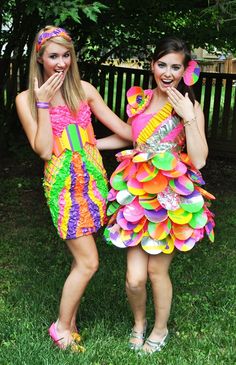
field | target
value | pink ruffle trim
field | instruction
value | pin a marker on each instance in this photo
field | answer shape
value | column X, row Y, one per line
column 61, row 117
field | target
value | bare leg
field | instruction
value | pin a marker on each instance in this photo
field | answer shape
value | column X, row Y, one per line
column 83, row 268
column 136, row 278
column 158, row 267
column 73, row 327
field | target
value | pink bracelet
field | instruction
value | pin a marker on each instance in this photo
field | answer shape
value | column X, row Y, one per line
column 42, row 104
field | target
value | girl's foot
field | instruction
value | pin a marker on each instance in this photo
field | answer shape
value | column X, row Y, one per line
column 61, row 338
column 73, row 328
column 64, row 339
column 137, row 335
column 155, row 342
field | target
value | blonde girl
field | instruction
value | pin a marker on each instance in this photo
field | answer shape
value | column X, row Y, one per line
column 55, row 113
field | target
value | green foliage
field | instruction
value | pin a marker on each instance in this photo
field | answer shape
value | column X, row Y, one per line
column 74, row 10
column 120, row 27
column 223, row 14
column 130, row 29
column 92, row 11
column 224, row 11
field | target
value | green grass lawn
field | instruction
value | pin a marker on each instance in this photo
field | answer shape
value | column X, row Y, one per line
column 34, row 264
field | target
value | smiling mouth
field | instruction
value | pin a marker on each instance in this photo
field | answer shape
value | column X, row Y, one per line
column 167, row 82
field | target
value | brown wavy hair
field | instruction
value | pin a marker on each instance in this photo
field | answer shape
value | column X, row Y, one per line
column 175, row 45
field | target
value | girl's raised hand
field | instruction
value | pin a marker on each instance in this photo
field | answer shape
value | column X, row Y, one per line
column 181, row 103
column 49, row 88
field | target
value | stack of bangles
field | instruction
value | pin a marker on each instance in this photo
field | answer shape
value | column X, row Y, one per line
column 42, row 104
column 189, row 122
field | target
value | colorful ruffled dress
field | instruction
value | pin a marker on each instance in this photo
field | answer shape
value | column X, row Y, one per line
column 75, row 181
column 156, row 200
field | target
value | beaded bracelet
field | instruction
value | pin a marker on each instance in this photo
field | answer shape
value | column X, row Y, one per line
column 189, row 122
column 42, row 104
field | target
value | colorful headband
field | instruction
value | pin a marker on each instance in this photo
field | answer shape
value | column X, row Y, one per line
column 192, row 73
column 56, row 32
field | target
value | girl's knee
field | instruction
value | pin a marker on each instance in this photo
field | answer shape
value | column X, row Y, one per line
column 158, row 268
column 135, row 283
column 155, row 273
column 90, row 267
column 93, row 266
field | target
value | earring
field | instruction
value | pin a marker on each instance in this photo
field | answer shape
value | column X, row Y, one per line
column 192, row 73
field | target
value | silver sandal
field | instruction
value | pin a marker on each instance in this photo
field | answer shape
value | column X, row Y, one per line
column 138, row 335
column 156, row 346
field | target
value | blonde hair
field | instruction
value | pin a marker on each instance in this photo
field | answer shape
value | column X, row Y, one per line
column 71, row 88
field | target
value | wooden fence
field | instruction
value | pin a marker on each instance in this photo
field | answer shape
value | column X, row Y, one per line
column 215, row 91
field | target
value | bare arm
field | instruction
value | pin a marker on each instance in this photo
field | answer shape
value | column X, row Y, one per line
column 104, row 114
column 197, row 148
column 39, row 131
column 112, row 142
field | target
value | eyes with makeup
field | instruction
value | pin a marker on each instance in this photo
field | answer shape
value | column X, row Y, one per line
column 174, row 67
column 54, row 56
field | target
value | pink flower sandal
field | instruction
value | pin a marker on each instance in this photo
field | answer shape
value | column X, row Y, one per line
column 73, row 346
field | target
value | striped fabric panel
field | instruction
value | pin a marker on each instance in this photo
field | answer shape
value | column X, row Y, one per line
column 55, row 182
column 75, row 188
column 73, row 138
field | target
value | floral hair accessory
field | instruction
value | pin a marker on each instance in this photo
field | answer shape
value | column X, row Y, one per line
column 192, row 73
column 56, row 32
column 138, row 100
